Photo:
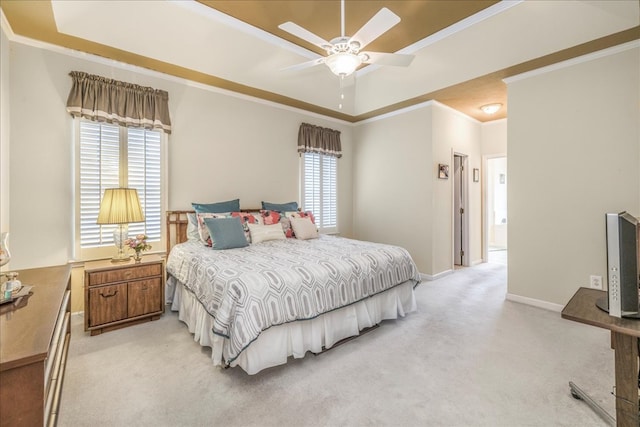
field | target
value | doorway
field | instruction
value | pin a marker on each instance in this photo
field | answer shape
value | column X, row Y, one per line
column 460, row 217
column 496, row 218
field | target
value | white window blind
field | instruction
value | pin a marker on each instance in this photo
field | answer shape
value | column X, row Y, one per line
column 319, row 190
column 115, row 156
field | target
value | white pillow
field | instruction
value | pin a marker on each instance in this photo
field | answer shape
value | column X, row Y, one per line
column 262, row 233
column 304, row 229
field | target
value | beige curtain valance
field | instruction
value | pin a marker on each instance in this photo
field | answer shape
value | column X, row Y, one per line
column 316, row 139
column 105, row 100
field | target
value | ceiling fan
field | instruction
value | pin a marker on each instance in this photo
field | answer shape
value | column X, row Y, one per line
column 344, row 53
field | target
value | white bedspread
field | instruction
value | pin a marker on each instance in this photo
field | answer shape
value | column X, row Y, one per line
column 248, row 290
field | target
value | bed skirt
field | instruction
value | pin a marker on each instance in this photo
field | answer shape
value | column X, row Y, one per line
column 277, row 343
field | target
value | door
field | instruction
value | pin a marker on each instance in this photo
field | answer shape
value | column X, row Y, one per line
column 458, row 210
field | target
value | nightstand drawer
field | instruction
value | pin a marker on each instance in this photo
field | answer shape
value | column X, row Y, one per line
column 107, row 304
column 144, row 297
column 124, row 274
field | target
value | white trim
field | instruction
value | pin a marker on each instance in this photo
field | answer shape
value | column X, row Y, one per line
column 425, row 104
column 459, row 113
column 496, row 121
column 477, row 262
column 430, row 277
column 396, row 112
column 157, row 74
column 4, row 25
column 461, row 25
column 450, row 30
column 534, row 302
column 242, row 26
column 574, row 61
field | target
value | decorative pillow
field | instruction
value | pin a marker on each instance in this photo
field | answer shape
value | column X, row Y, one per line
column 219, row 207
column 247, row 218
column 304, row 229
column 275, row 217
column 291, row 215
column 281, row 207
column 203, row 231
column 192, row 227
column 262, row 233
column 226, row 233
column 306, row 214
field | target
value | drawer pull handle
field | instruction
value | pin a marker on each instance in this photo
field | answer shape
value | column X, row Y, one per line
column 109, row 295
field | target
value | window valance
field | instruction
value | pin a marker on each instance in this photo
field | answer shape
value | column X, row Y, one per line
column 316, row 139
column 105, row 100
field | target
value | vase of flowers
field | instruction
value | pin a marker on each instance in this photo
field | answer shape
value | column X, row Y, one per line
column 138, row 244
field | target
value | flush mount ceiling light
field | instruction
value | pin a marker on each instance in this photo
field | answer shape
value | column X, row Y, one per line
column 343, row 53
column 491, row 108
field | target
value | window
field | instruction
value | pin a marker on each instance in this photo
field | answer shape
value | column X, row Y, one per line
column 319, row 189
column 116, row 156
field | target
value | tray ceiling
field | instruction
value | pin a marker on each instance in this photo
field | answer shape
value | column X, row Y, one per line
column 463, row 49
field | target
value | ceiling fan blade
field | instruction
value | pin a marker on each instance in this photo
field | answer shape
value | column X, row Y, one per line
column 303, row 34
column 303, row 65
column 375, row 27
column 395, row 59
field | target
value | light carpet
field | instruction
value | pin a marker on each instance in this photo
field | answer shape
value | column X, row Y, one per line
column 467, row 357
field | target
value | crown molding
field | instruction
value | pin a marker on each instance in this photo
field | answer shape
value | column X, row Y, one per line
column 574, row 61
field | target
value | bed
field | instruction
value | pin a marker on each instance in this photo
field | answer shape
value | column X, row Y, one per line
column 258, row 305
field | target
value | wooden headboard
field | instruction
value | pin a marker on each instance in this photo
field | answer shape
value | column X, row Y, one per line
column 177, row 223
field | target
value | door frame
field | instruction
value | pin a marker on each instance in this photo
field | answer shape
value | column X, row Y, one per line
column 465, row 217
column 485, row 205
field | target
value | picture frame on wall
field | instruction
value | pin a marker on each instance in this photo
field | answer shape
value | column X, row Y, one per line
column 443, row 171
column 476, row 174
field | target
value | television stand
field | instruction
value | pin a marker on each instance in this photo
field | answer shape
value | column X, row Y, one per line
column 625, row 334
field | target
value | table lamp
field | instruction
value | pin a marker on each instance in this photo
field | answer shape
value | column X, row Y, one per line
column 120, row 206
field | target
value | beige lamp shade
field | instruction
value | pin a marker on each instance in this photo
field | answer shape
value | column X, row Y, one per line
column 120, row 206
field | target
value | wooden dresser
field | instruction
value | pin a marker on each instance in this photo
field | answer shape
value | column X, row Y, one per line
column 34, row 340
column 121, row 294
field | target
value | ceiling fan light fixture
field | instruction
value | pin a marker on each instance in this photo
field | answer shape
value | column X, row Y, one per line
column 491, row 108
column 343, row 63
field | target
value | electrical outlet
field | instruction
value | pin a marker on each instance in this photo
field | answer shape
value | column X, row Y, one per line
column 596, row 282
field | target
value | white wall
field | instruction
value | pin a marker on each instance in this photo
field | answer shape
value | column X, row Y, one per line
column 494, row 137
column 398, row 198
column 574, row 151
column 221, row 147
column 4, row 132
column 393, row 182
column 456, row 133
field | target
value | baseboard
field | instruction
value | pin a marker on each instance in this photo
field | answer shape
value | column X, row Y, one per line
column 476, row 262
column 535, row 302
column 430, row 277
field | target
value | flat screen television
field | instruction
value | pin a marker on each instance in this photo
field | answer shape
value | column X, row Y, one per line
column 623, row 266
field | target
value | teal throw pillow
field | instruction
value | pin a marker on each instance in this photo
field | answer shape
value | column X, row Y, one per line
column 280, row 207
column 219, row 207
column 226, row 233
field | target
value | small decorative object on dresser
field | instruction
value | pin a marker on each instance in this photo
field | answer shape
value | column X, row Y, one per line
column 5, row 255
column 119, row 295
column 138, row 244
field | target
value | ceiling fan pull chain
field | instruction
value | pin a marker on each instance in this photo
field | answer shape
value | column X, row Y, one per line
column 341, row 92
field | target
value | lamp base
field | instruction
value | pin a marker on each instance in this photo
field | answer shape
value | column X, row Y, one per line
column 118, row 258
column 119, row 236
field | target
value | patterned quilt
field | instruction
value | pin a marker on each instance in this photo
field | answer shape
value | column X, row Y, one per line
column 248, row 290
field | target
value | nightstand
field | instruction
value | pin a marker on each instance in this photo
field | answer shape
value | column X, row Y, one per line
column 122, row 294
